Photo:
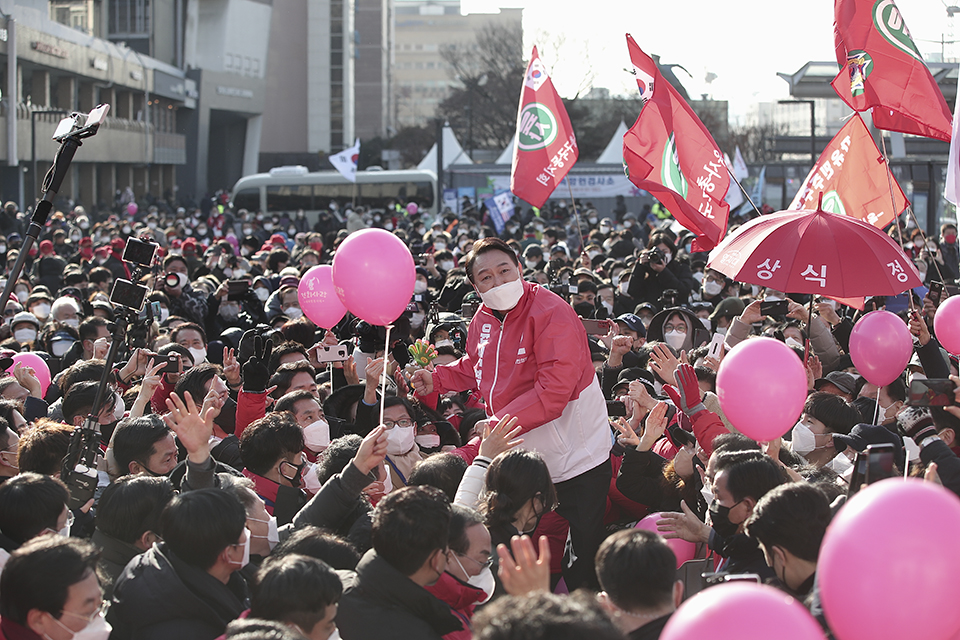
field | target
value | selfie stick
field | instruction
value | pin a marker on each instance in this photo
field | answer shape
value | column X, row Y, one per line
column 69, row 143
column 383, row 375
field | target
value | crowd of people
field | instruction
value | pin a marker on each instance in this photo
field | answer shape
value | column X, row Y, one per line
column 254, row 482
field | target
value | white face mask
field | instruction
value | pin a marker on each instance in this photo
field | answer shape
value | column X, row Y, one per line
column 624, row 287
column 198, row 355
column 447, row 265
column 400, row 440
column 72, row 322
column 164, row 313
column 722, row 330
column 439, row 246
column 246, row 549
column 316, row 435
column 531, row 264
column 262, row 294
column 22, row 295
column 706, row 323
column 419, row 286
column 675, row 339
column 504, row 297
column 840, row 465
column 293, row 312
column 416, row 320
column 793, row 343
column 273, row 532
column 804, row 440
column 443, row 343
column 41, row 310
column 25, row 335
column 60, row 347
column 712, row 288
column 707, row 492
column 485, row 582
column 607, row 305
column 98, row 629
column 772, row 299
column 428, row 441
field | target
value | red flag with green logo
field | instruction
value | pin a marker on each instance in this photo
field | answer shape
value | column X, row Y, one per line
column 882, row 70
column 669, row 153
column 546, row 148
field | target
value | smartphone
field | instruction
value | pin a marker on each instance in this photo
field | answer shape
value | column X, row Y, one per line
column 616, row 408
column 139, row 252
column 469, row 309
column 715, row 350
column 936, row 292
column 931, row 392
column 127, row 294
column 171, row 361
column 336, row 353
column 778, row 308
column 879, row 463
column 237, row 289
column 859, row 473
column 596, row 327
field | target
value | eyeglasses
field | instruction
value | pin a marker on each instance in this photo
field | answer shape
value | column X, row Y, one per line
column 482, row 565
column 100, row 612
column 680, row 328
column 403, row 424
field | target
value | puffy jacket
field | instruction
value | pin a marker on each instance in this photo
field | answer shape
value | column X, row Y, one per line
column 535, row 365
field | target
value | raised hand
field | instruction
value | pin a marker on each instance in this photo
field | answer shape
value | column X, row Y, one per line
column 231, row 368
column 524, row 572
column 664, row 363
column 500, row 437
column 653, row 427
column 255, row 374
column 193, row 426
column 686, row 526
column 628, row 437
column 372, row 450
column 422, row 382
column 27, row 378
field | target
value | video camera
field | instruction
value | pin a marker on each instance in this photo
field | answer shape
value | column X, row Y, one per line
column 653, row 256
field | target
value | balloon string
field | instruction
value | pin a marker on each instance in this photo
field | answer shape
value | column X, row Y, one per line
column 330, row 369
column 876, row 412
column 383, row 375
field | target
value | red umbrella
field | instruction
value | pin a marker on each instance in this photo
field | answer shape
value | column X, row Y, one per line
column 815, row 252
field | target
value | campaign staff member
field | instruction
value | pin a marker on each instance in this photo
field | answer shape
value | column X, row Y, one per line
column 527, row 352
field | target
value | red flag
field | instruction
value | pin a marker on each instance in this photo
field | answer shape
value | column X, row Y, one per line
column 546, row 148
column 669, row 153
column 882, row 69
column 852, row 177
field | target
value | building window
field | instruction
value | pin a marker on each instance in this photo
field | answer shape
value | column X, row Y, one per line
column 129, row 17
column 337, row 54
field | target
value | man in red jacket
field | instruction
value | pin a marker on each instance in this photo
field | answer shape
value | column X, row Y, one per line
column 527, row 353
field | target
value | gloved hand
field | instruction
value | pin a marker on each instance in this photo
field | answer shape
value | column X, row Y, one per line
column 917, row 423
column 254, row 372
column 687, row 395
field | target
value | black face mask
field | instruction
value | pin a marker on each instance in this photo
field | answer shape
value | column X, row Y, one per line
column 720, row 517
column 295, row 480
column 227, row 418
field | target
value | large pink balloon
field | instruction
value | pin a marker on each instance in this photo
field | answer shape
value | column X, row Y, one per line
column 880, row 346
column 29, row 359
column 741, row 611
column 946, row 324
column 888, row 565
column 681, row 548
column 762, row 386
column 374, row 275
column 318, row 297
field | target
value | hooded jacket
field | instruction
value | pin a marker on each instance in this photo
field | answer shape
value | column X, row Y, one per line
column 462, row 598
column 535, row 365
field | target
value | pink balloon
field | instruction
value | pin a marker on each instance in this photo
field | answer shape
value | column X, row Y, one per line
column 891, row 549
column 742, row 611
column 946, row 324
column 880, row 346
column 30, row 359
column 373, row 273
column 681, row 548
column 412, row 208
column 318, row 297
column 762, row 386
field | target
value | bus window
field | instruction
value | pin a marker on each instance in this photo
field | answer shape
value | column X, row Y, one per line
column 288, row 198
column 248, row 199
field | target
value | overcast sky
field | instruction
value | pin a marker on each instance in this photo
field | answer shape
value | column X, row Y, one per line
column 743, row 42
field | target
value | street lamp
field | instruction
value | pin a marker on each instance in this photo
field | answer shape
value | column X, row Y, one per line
column 33, row 144
column 813, row 126
column 472, row 85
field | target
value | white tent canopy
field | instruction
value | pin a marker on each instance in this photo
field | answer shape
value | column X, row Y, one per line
column 507, row 156
column 613, row 154
column 453, row 153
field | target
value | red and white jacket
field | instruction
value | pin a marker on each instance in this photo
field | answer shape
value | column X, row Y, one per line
column 535, row 365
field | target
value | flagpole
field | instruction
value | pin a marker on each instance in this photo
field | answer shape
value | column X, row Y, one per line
column 745, row 192
column 576, row 215
column 893, row 204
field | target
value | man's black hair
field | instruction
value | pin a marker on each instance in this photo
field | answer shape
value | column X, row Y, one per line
column 836, row 414
column 90, row 327
column 287, row 401
column 194, row 379
column 284, row 349
column 635, row 552
column 132, row 506
column 265, row 441
column 793, row 516
column 283, row 377
column 30, row 503
column 545, row 616
column 335, row 457
column 188, row 326
column 749, row 474
column 294, row 589
column 136, row 440
column 39, row 575
column 257, row 629
column 485, row 245
column 443, row 471
column 79, row 400
column 409, row 525
column 461, row 519
column 323, row 545
column 198, row 525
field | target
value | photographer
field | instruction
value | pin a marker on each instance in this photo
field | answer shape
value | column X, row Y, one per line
column 652, row 276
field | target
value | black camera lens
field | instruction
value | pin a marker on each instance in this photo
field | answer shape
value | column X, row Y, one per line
column 172, row 280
